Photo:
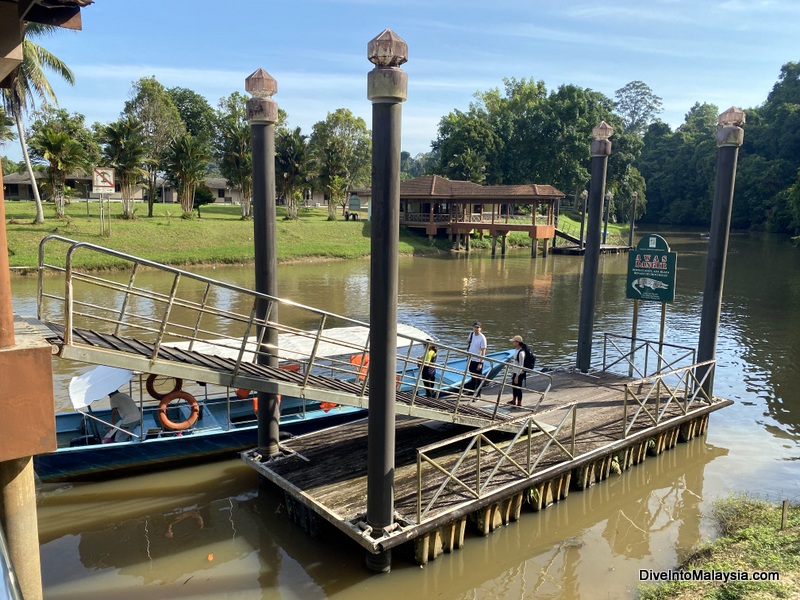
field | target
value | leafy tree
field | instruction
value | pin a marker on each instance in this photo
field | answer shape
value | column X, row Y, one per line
column 637, row 105
column 186, row 165
column 341, row 152
column 58, row 119
column 416, row 166
column 202, row 196
column 233, row 147
column 292, row 165
column 468, row 147
column 151, row 106
column 63, row 155
column 28, row 83
column 6, row 133
column 196, row 113
column 124, row 150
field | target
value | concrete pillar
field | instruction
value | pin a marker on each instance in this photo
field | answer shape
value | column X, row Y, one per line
column 18, row 516
column 729, row 139
column 600, row 150
column 262, row 113
column 466, row 242
column 494, row 246
column 387, row 87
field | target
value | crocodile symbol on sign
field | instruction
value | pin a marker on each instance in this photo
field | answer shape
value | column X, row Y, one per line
column 647, row 282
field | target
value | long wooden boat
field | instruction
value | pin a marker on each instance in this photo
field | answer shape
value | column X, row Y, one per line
column 215, row 422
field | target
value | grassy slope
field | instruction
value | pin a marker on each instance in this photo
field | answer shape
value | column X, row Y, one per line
column 750, row 540
column 220, row 236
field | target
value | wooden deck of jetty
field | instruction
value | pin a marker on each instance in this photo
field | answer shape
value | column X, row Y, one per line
column 448, row 475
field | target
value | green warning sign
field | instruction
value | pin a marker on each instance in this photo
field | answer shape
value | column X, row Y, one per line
column 651, row 270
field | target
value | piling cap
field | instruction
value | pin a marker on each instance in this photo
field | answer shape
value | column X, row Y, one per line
column 261, row 84
column 387, row 50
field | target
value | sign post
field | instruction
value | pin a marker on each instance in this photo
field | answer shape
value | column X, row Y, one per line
column 651, row 276
column 103, row 184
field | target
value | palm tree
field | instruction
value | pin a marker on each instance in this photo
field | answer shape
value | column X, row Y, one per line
column 125, row 151
column 291, row 158
column 30, row 81
column 186, row 165
column 63, row 155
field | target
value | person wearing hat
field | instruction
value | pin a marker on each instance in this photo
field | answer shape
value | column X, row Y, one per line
column 517, row 371
column 475, row 345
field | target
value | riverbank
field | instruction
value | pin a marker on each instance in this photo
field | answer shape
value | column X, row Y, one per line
column 751, row 542
column 220, row 236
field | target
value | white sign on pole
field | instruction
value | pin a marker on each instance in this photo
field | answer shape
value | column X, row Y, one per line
column 103, row 179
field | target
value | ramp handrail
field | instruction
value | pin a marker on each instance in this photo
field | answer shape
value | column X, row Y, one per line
column 472, row 482
column 200, row 314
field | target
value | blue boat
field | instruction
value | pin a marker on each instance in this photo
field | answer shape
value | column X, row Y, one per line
column 197, row 422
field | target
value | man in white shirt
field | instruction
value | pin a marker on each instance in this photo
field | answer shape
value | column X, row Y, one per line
column 477, row 345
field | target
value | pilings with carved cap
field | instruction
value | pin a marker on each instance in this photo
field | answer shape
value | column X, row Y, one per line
column 729, row 138
column 387, row 89
column 600, row 150
column 262, row 114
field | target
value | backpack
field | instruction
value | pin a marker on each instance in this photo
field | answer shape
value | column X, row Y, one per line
column 530, row 359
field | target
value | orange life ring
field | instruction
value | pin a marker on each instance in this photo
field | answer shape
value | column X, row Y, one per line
column 243, row 393
column 151, row 385
column 179, row 395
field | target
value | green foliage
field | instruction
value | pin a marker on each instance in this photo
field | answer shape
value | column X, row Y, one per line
column 292, row 165
column 233, row 147
column 196, row 113
column 341, row 153
column 124, row 150
column 63, row 154
column 151, row 106
column 637, row 105
column 186, row 165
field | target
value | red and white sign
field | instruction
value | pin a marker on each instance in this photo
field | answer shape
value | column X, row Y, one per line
column 103, row 179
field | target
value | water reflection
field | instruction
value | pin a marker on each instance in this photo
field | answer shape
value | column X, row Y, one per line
column 211, row 531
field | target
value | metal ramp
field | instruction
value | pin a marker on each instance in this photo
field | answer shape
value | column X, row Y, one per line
column 199, row 329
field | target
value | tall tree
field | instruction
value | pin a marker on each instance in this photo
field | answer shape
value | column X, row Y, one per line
column 292, row 165
column 153, row 109
column 28, row 83
column 234, row 147
column 124, row 150
column 637, row 105
column 196, row 113
column 63, row 155
column 186, row 164
column 341, row 150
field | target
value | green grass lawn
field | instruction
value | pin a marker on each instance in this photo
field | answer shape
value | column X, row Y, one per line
column 220, row 236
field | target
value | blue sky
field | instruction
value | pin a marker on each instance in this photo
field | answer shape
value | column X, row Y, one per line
column 724, row 52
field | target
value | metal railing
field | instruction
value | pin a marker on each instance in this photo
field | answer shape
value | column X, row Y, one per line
column 195, row 313
column 654, row 395
column 476, row 470
column 525, row 220
column 639, row 354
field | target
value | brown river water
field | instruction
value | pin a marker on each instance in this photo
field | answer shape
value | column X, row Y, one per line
column 209, row 532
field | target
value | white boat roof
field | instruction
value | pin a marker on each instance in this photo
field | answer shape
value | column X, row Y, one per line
column 336, row 341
